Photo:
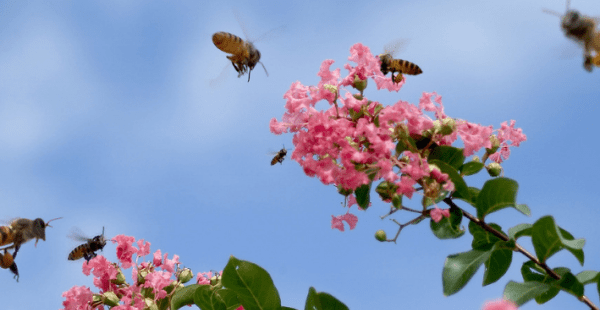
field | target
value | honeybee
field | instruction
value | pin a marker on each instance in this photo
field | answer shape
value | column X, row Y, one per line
column 244, row 56
column 279, row 157
column 22, row 230
column 389, row 64
column 88, row 249
column 581, row 29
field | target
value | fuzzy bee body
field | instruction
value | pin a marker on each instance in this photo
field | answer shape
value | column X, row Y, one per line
column 389, row 64
column 244, row 56
column 88, row 249
column 279, row 157
column 582, row 29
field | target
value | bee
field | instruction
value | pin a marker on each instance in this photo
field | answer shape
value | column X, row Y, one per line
column 279, row 157
column 244, row 56
column 88, row 249
column 581, row 29
column 389, row 64
column 22, row 230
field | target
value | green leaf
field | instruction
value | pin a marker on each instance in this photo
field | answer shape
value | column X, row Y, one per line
column 482, row 239
column 460, row 268
column 207, row 298
column 363, row 196
column 497, row 265
column 587, row 276
column 532, row 272
column 252, row 284
column 520, row 293
column 448, row 227
column 519, row 231
column 459, row 184
column 449, row 155
column 570, row 284
column 523, row 208
column 183, row 296
column 322, row 301
column 496, row 194
column 428, row 201
column 471, row 199
column 397, row 201
column 547, row 239
column 471, row 168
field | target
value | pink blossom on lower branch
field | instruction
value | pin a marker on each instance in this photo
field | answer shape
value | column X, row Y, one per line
column 501, row 304
column 77, row 298
column 438, row 214
column 337, row 222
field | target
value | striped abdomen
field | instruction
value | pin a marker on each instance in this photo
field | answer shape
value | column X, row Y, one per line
column 230, row 43
column 405, row 67
column 6, row 235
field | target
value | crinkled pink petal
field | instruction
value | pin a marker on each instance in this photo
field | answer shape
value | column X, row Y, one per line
column 501, row 304
column 437, row 214
column 77, row 298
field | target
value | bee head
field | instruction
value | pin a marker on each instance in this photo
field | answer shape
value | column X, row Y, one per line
column 39, row 228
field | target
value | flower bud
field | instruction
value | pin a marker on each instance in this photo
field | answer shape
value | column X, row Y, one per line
column 448, row 126
column 110, row 299
column 343, row 191
column 495, row 144
column 494, row 169
column 215, row 280
column 332, row 88
column 359, row 84
column 185, row 275
column 141, row 276
column 150, row 304
column 476, row 159
column 120, row 278
column 380, row 235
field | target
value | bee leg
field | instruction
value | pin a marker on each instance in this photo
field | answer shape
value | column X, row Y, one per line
column 17, row 247
column 15, row 270
column 249, row 71
column 587, row 63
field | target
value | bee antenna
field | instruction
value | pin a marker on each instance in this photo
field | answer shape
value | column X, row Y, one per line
column 264, row 68
column 48, row 223
column 551, row 12
column 102, row 230
column 568, row 3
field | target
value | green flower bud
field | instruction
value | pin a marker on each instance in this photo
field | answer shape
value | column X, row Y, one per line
column 380, row 235
column 476, row 159
column 332, row 88
column 141, row 276
column 110, row 299
column 185, row 275
column 343, row 191
column 359, row 84
column 495, row 144
column 494, row 169
column 120, row 278
column 448, row 126
column 357, row 97
column 215, row 280
column 150, row 304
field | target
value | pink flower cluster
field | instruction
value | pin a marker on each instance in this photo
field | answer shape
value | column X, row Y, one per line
column 109, row 278
column 501, row 304
column 355, row 137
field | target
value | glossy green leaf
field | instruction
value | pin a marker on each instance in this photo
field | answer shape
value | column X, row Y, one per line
column 252, row 284
column 448, row 227
column 363, row 195
column 472, row 197
column 497, row 265
column 459, row 184
column 496, row 194
column 208, row 299
column 449, row 155
column 547, row 239
column 460, row 268
column 588, row 276
column 471, row 168
column 519, row 231
column 523, row 208
column 322, row 301
column 532, row 272
column 520, row 293
column 183, row 296
column 482, row 239
column 571, row 285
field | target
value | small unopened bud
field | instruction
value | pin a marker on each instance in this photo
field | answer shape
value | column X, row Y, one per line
column 448, row 126
column 332, row 88
column 150, row 304
column 141, row 276
column 380, row 235
column 120, row 278
column 110, row 299
column 494, row 169
column 185, row 275
column 495, row 144
column 359, row 84
column 216, row 279
column 476, row 159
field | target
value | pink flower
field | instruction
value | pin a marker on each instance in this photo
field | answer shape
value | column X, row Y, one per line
column 203, row 278
column 103, row 271
column 437, row 214
column 337, row 221
column 157, row 258
column 77, row 298
column 144, row 248
column 169, row 264
column 158, row 280
column 474, row 137
column 125, row 250
column 501, row 304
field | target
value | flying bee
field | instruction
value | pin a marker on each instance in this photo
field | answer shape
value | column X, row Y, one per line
column 244, row 56
column 279, row 156
column 22, row 230
column 88, row 249
column 581, row 29
column 389, row 64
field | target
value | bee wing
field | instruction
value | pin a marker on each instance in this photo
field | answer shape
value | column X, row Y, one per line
column 222, row 77
column 551, row 12
column 395, row 46
column 77, row 235
column 271, row 33
column 238, row 17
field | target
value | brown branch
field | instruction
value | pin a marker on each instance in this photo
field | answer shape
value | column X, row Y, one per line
column 517, row 248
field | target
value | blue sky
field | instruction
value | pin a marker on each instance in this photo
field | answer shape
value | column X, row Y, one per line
column 108, row 120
